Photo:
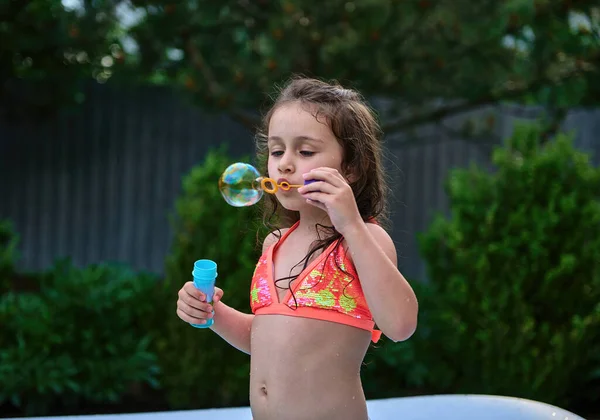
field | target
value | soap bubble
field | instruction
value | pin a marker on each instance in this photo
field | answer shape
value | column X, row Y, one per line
column 240, row 185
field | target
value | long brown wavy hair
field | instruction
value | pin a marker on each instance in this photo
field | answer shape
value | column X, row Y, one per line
column 356, row 128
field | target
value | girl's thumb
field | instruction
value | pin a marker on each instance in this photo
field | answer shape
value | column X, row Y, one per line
column 218, row 294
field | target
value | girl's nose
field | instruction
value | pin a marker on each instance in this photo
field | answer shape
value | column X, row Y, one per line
column 286, row 164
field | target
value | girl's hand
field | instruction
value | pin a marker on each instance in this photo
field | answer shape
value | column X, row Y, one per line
column 332, row 193
column 192, row 306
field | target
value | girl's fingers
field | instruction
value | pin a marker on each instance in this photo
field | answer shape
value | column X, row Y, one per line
column 193, row 302
column 218, row 295
column 330, row 175
column 318, row 186
column 190, row 320
column 193, row 291
column 317, row 196
column 193, row 312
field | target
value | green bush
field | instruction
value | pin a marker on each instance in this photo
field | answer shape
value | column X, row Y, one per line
column 8, row 253
column 513, row 302
column 79, row 340
column 201, row 369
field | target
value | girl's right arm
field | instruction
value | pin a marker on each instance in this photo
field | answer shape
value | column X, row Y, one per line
column 232, row 325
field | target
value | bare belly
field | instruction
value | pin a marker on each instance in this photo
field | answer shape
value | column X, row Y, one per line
column 306, row 369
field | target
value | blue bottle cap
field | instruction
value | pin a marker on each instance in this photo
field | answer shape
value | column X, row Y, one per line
column 205, row 269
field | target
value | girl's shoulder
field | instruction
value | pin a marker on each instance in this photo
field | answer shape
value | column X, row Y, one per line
column 382, row 238
column 273, row 237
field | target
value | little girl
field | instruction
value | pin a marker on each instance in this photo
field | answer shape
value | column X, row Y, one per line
column 328, row 273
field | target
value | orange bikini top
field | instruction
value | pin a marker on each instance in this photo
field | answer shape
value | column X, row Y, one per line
column 322, row 290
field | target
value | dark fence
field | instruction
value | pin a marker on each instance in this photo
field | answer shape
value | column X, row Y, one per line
column 98, row 184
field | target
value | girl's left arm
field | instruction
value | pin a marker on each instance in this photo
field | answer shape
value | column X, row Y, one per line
column 390, row 297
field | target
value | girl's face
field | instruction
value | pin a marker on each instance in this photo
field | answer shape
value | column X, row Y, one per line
column 297, row 143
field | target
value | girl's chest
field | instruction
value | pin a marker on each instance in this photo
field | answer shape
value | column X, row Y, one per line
column 288, row 263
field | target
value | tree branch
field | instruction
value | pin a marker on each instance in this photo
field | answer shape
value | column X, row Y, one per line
column 478, row 102
column 198, row 61
column 247, row 120
column 556, row 119
column 484, row 140
column 510, row 93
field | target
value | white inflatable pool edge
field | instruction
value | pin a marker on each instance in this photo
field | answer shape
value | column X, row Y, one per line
column 429, row 407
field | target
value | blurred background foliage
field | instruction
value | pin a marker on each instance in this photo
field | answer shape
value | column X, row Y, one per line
column 427, row 59
column 511, row 306
column 511, row 303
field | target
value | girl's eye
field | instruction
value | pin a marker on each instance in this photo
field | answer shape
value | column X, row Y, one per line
column 277, row 153
column 306, row 153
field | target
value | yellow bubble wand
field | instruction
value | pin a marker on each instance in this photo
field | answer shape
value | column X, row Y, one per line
column 269, row 185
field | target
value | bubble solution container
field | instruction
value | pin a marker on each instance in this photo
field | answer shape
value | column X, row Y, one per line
column 205, row 274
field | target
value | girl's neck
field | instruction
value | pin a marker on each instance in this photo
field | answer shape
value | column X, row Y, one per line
column 310, row 219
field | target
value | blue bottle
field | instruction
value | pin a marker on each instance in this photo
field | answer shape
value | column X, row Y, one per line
column 205, row 274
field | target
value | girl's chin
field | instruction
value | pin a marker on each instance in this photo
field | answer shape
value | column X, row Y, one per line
column 286, row 204
column 296, row 204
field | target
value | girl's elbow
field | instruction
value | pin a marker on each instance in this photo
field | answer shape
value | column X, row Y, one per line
column 403, row 330
column 403, row 334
